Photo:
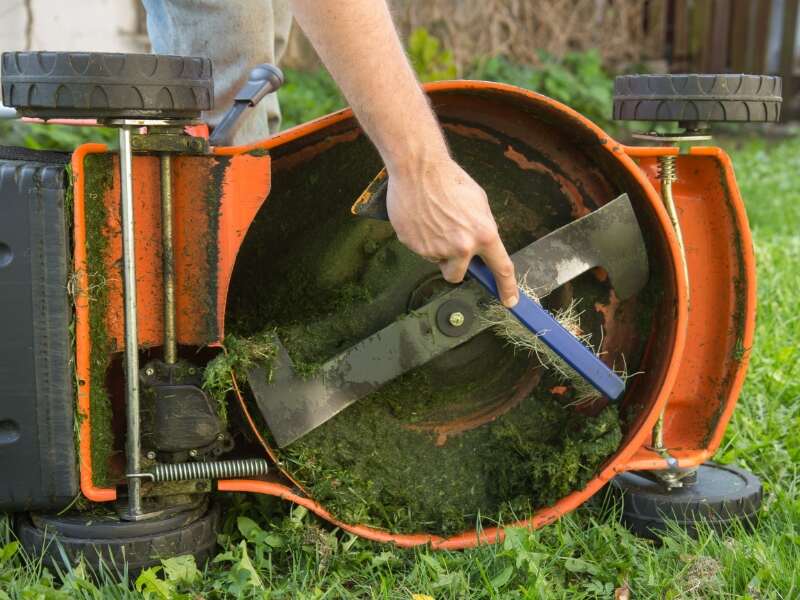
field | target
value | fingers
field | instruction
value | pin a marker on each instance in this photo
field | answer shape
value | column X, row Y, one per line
column 497, row 259
column 454, row 269
column 444, row 216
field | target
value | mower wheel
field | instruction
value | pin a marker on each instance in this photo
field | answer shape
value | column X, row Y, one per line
column 119, row 544
column 106, row 85
column 720, row 495
column 697, row 98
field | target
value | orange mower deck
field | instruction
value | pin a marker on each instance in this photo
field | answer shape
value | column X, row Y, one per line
column 695, row 359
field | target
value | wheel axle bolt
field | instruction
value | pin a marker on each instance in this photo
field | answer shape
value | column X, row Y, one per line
column 456, row 319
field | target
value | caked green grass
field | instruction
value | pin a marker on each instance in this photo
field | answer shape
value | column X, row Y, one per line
column 270, row 551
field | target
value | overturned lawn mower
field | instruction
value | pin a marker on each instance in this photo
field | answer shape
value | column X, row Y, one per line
column 166, row 301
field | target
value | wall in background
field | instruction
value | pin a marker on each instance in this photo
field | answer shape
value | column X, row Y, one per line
column 98, row 25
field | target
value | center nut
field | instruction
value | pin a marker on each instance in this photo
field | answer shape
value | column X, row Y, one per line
column 454, row 318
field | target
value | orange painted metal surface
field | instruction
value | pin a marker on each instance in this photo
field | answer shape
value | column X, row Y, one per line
column 722, row 307
column 215, row 200
column 83, row 341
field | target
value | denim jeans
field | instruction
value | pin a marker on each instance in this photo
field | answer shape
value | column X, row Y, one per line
column 236, row 35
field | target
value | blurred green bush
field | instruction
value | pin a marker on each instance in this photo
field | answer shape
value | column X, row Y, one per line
column 307, row 95
column 578, row 80
column 53, row 137
column 429, row 59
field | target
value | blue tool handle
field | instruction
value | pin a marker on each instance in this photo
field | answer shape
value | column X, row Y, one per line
column 531, row 314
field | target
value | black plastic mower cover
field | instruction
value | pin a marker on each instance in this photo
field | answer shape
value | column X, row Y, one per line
column 38, row 467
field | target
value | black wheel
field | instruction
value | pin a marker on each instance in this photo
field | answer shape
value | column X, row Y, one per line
column 720, row 495
column 137, row 544
column 106, row 85
column 697, row 98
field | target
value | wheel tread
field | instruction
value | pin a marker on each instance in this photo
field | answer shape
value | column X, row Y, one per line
column 647, row 508
column 65, row 84
column 197, row 538
column 732, row 98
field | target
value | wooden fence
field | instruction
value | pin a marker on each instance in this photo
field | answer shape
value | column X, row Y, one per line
column 734, row 36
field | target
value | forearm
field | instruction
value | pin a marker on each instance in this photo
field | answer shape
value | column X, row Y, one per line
column 357, row 42
column 436, row 208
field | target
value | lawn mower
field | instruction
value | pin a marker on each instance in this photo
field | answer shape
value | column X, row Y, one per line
column 184, row 318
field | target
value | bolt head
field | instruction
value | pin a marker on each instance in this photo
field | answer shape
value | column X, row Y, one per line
column 193, row 453
column 456, row 319
column 149, row 371
column 150, row 455
column 220, row 437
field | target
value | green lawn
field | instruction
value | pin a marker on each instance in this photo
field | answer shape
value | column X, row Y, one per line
column 290, row 554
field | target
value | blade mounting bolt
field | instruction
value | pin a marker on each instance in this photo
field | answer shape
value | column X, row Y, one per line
column 456, row 319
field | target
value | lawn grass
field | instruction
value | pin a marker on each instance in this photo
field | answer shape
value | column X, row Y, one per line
column 271, row 551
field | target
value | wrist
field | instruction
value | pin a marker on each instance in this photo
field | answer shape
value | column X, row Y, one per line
column 417, row 157
column 419, row 147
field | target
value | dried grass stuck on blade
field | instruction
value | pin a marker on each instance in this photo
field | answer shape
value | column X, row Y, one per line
column 507, row 326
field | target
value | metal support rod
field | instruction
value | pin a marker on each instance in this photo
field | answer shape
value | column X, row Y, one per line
column 168, row 261
column 658, row 433
column 668, row 175
column 133, row 443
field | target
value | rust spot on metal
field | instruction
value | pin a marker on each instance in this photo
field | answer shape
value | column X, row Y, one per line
column 308, row 152
column 484, row 414
column 579, row 208
column 471, row 132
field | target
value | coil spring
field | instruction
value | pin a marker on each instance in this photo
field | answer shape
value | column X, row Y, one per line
column 220, row 469
column 666, row 169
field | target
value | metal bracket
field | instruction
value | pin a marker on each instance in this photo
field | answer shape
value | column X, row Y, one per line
column 159, row 139
column 661, row 138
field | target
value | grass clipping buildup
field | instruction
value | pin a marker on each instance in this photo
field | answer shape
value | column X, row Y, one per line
column 238, row 356
column 480, row 435
column 381, row 463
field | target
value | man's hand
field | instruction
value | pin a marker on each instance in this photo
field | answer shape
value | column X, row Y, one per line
column 440, row 213
column 437, row 210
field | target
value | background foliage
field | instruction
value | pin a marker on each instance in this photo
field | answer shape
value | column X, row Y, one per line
column 578, row 79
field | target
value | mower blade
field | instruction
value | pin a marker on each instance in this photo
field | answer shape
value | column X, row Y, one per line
column 608, row 237
column 293, row 405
